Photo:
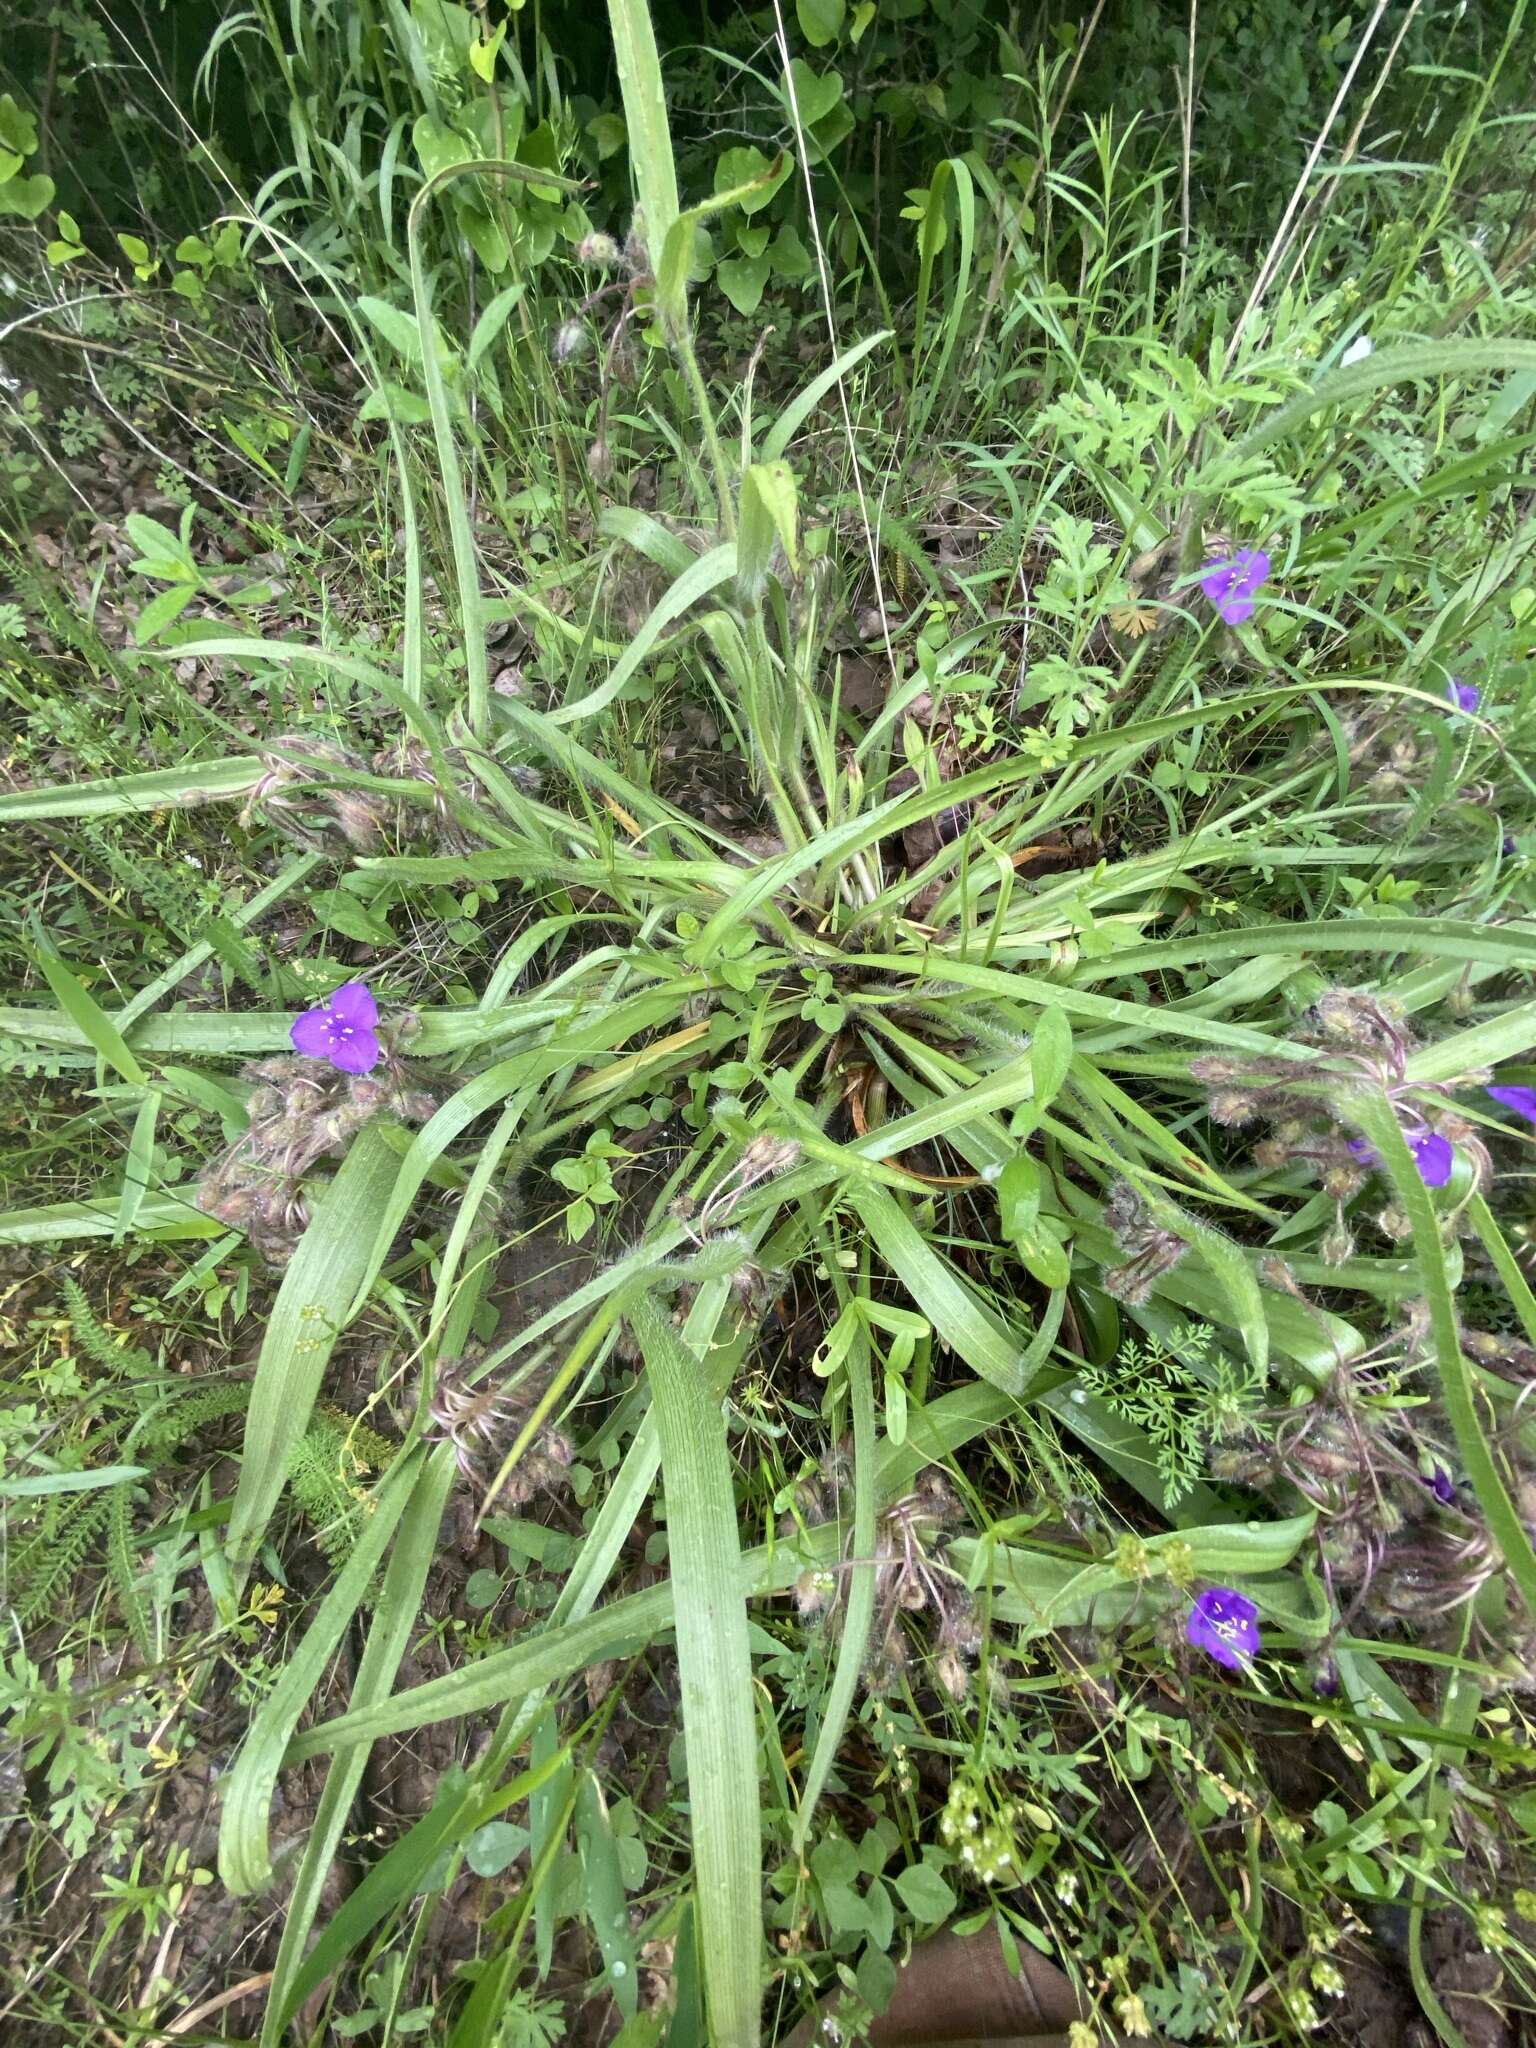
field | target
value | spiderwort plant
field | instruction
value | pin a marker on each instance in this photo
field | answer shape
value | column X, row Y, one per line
column 1464, row 696
column 1225, row 1625
column 1233, row 586
column 341, row 1030
column 1363, row 1043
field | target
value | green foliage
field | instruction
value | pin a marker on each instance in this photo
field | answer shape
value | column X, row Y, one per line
column 1181, row 1396
column 736, row 684
column 328, row 1469
column 111, row 1353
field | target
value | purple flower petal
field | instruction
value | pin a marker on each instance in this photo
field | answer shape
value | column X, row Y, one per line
column 1434, row 1156
column 355, row 1050
column 353, row 1004
column 1464, row 696
column 1225, row 1625
column 1521, row 1100
column 1441, row 1485
column 1231, row 586
column 341, row 1030
column 311, row 1034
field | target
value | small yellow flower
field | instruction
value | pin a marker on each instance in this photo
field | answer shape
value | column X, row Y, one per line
column 1081, row 2035
column 1328, row 1978
column 1492, row 1931
column 1133, row 2016
column 264, row 1603
column 1133, row 619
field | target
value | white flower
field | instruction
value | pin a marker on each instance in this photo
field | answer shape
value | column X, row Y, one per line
column 1357, row 351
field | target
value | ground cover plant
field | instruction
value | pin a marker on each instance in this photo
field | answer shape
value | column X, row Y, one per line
column 768, row 1045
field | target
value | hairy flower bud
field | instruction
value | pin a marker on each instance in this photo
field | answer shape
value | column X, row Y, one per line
column 1240, row 1465
column 1232, row 1106
column 953, row 1673
column 1217, row 1066
column 357, row 819
column 1338, row 1247
column 1130, row 1284
column 813, row 1592
column 601, row 251
column 570, row 339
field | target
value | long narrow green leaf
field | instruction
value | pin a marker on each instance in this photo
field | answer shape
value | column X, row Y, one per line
column 645, row 114
column 160, row 1217
column 138, row 1166
column 628, row 1624
column 1425, row 360
column 83, row 1011
column 858, row 1595
column 706, row 573
column 1506, row 945
column 940, row 1293
column 311, row 1310
column 715, row 1673
column 245, row 1863
column 239, row 916
column 43, row 1485
column 394, row 1619
column 160, row 789
column 798, row 411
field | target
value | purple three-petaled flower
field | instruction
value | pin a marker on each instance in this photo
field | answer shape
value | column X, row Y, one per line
column 1231, row 585
column 1225, row 1624
column 341, row 1030
column 1521, row 1100
column 1434, row 1156
column 1464, row 696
